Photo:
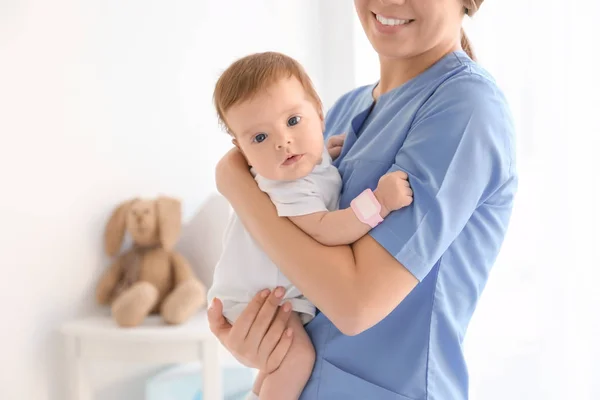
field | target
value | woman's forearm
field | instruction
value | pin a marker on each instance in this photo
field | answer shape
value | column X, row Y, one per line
column 355, row 286
column 326, row 275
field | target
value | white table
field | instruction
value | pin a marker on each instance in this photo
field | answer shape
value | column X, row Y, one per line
column 154, row 342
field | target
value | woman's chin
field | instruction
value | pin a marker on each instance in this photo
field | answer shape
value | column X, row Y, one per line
column 392, row 50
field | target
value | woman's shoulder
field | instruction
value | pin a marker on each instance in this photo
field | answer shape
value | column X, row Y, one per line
column 469, row 83
column 462, row 94
column 468, row 103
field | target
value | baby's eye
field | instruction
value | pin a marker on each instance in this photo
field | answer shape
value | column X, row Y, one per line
column 293, row 121
column 260, row 137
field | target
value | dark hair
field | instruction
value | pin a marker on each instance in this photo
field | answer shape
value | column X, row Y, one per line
column 471, row 7
column 465, row 43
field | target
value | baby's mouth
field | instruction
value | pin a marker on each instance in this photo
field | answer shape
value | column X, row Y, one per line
column 292, row 159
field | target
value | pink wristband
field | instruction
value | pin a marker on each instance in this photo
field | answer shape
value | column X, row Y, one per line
column 367, row 208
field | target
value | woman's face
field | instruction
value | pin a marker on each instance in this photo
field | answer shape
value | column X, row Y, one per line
column 408, row 28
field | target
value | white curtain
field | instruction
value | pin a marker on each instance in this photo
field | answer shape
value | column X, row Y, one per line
column 534, row 334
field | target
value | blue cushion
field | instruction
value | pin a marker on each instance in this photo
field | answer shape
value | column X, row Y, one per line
column 184, row 382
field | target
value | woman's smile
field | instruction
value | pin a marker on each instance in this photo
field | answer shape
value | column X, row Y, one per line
column 386, row 24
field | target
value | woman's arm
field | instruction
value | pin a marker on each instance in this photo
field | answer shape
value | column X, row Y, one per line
column 355, row 286
column 458, row 153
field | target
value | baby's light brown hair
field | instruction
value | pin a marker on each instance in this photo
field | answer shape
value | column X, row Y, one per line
column 254, row 73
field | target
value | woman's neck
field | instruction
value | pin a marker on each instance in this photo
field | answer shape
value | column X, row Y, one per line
column 395, row 72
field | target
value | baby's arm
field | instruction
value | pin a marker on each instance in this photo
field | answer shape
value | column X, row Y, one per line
column 343, row 226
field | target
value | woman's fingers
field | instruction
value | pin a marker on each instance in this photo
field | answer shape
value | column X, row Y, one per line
column 244, row 322
column 274, row 334
column 257, row 338
column 217, row 322
column 280, row 351
column 264, row 318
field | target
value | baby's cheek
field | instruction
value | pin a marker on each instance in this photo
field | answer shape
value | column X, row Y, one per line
column 266, row 168
column 254, row 156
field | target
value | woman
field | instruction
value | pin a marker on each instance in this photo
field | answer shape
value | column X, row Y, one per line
column 395, row 305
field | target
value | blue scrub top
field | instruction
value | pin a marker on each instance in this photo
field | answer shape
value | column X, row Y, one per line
column 451, row 130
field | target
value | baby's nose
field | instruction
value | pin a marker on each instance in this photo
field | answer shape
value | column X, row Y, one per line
column 283, row 143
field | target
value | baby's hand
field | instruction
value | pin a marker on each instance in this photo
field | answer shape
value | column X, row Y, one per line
column 393, row 192
column 334, row 145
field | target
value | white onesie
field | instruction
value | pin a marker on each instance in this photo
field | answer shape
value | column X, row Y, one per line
column 244, row 269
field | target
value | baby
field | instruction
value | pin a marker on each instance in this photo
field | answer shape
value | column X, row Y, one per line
column 268, row 105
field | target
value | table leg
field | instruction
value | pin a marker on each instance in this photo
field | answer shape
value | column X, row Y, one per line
column 211, row 370
column 77, row 385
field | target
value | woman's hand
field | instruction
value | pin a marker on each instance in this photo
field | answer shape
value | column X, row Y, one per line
column 231, row 165
column 258, row 338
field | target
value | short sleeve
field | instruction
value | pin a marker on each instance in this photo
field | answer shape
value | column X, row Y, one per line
column 456, row 155
column 293, row 199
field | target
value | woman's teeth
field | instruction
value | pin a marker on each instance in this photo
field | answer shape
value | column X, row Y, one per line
column 391, row 21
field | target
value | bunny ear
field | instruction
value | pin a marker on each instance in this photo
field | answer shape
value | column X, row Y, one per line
column 169, row 220
column 115, row 228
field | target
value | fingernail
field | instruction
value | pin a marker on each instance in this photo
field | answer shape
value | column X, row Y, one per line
column 211, row 305
column 288, row 332
column 287, row 307
column 264, row 293
column 279, row 292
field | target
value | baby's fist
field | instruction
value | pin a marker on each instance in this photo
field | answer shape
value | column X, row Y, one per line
column 393, row 191
column 334, row 145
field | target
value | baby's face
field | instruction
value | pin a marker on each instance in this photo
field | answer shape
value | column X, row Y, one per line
column 280, row 131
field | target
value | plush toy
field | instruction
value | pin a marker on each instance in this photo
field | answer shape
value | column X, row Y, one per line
column 149, row 277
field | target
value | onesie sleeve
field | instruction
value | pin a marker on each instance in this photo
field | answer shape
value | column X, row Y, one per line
column 293, row 199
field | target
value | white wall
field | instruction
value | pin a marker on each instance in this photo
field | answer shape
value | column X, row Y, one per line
column 540, row 309
column 101, row 101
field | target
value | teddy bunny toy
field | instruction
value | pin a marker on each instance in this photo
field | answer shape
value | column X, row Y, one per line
column 150, row 277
